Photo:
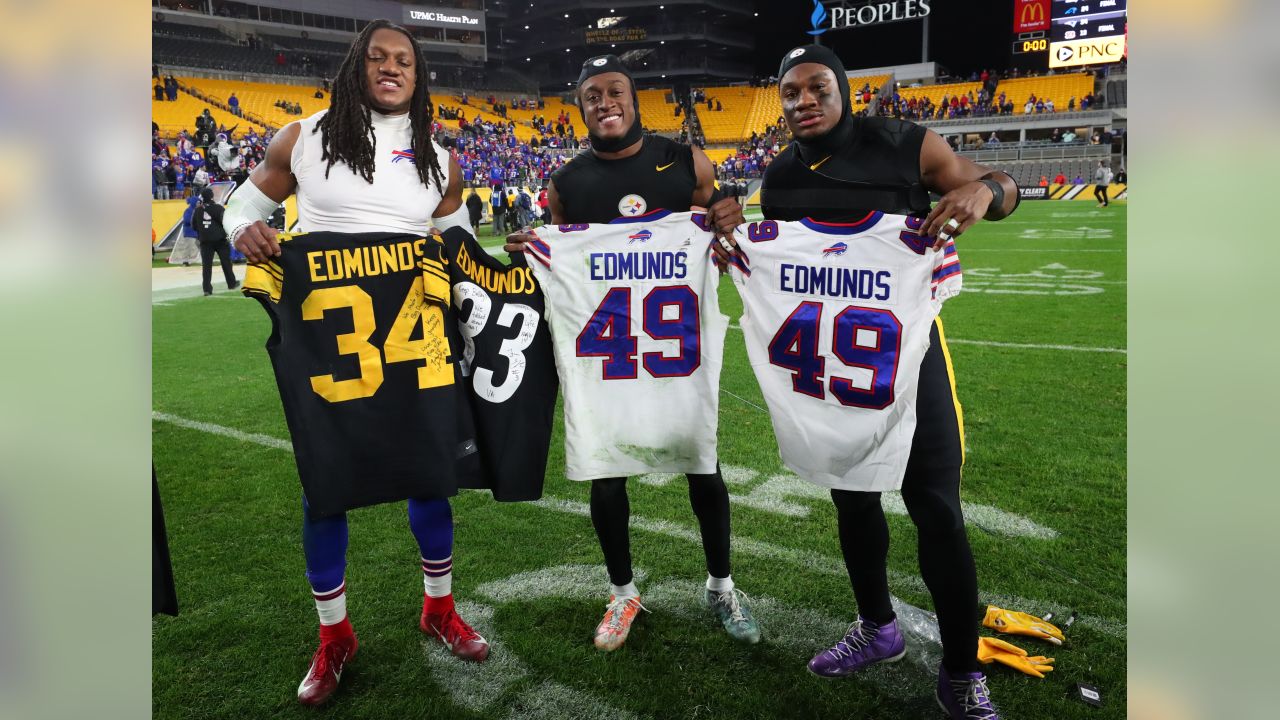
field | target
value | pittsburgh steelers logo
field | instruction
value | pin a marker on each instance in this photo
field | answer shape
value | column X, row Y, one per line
column 632, row 205
column 599, row 61
column 796, row 53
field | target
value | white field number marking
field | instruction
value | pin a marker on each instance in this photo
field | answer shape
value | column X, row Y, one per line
column 1081, row 232
column 1051, row 279
column 779, row 494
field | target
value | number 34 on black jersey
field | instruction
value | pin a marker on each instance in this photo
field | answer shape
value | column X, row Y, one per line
column 364, row 364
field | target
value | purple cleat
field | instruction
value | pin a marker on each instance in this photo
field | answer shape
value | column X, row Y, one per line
column 964, row 696
column 864, row 644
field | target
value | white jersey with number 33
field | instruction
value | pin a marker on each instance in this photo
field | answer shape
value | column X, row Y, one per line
column 639, row 340
column 836, row 318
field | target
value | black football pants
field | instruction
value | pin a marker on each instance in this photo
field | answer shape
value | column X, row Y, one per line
column 611, row 516
column 931, row 492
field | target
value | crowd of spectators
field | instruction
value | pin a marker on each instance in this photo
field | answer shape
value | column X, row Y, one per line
column 285, row 105
column 753, row 156
column 214, row 153
column 166, row 90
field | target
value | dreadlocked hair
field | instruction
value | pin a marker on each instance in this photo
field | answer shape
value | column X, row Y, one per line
column 346, row 131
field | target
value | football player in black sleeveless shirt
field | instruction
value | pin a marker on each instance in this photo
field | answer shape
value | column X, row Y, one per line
column 624, row 174
column 838, row 169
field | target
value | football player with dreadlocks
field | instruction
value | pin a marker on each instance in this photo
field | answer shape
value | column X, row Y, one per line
column 367, row 164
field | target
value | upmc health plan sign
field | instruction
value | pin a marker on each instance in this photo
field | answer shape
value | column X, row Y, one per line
column 442, row 17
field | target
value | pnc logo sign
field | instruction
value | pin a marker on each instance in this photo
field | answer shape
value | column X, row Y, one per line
column 1092, row 51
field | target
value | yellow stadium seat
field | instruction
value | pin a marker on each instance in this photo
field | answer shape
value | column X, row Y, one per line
column 180, row 114
column 935, row 93
column 728, row 124
column 1058, row 88
column 259, row 98
column 657, row 113
column 718, row 155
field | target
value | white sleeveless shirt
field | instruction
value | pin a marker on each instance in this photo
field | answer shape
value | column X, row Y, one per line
column 397, row 201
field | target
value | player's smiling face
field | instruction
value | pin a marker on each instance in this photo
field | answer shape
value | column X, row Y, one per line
column 811, row 102
column 607, row 105
column 390, row 67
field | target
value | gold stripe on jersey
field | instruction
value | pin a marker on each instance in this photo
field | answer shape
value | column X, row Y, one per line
column 435, row 279
column 951, row 376
column 261, row 279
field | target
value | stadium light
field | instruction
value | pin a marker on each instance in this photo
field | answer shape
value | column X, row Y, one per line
column 566, row 49
column 566, row 14
column 662, row 42
column 528, row 59
column 526, row 27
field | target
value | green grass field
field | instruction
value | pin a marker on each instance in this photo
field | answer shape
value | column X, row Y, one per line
column 1038, row 342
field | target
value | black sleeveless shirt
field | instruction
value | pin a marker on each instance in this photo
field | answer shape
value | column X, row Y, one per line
column 660, row 176
column 878, row 170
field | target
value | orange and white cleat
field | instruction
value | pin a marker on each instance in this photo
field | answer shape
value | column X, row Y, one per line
column 612, row 631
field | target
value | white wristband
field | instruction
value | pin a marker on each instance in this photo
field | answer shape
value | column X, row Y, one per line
column 458, row 218
column 246, row 206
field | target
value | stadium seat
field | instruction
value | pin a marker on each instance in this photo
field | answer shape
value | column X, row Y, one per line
column 259, row 98
column 1058, row 88
column 180, row 114
column 658, row 114
column 729, row 124
column 935, row 93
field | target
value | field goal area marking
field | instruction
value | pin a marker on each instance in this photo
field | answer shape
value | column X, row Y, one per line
column 757, row 548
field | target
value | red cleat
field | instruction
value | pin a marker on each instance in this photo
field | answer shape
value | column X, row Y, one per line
column 326, row 670
column 441, row 621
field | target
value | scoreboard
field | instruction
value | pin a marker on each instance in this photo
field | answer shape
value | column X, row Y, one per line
column 1087, row 32
column 1069, row 33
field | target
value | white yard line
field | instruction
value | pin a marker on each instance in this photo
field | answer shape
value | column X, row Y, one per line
column 768, row 551
column 255, row 438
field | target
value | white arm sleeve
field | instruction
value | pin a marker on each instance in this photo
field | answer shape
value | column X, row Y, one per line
column 246, row 206
column 458, row 218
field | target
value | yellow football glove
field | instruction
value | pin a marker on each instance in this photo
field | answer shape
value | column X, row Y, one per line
column 993, row 650
column 1018, row 623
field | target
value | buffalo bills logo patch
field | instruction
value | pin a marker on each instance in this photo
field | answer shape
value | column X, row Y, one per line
column 642, row 236
column 398, row 155
column 837, row 249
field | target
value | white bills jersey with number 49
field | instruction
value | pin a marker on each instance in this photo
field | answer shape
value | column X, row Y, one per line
column 836, row 319
column 638, row 339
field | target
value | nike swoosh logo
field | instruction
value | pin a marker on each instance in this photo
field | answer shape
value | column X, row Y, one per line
column 815, row 165
column 664, row 167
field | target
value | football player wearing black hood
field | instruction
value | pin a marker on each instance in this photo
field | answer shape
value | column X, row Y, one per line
column 626, row 173
column 838, row 169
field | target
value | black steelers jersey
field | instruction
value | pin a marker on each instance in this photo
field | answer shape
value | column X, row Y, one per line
column 510, row 375
column 659, row 177
column 364, row 360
